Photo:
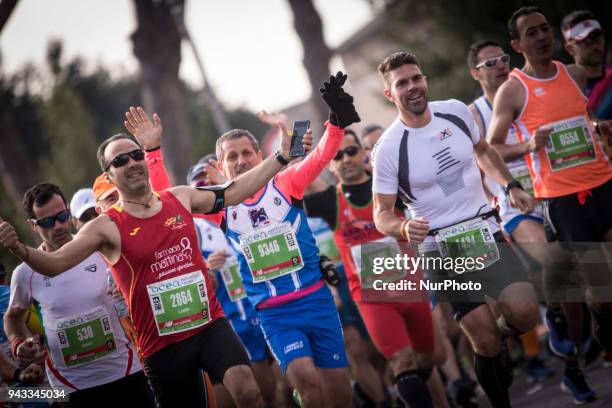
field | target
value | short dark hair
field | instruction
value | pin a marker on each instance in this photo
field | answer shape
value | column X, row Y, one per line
column 105, row 143
column 475, row 49
column 369, row 129
column 235, row 134
column 39, row 195
column 350, row 132
column 395, row 61
column 523, row 11
column 574, row 18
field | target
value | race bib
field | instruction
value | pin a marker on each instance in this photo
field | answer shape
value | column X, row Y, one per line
column 469, row 239
column 364, row 258
column 570, row 144
column 230, row 273
column 86, row 338
column 179, row 303
column 327, row 245
column 271, row 252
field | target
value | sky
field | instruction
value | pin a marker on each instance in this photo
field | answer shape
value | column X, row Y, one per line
column 251, row 54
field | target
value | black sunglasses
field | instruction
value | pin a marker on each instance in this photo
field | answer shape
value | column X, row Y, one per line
column 350, row 151
column 123, row 158
column 49, row 222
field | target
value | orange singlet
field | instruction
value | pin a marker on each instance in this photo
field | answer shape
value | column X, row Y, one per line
column 573, row 159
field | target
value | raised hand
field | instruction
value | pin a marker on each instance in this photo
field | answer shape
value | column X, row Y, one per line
column 148, row 133
column 273, row 118
column 342, row 110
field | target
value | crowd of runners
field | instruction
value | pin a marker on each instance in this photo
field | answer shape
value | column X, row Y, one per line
column 248, row 286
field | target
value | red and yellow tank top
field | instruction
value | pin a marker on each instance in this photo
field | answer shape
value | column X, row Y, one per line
column 162, row 275
column 354, row 226
column 573, row 159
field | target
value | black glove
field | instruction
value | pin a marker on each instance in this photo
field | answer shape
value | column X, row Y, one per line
column 329, row 271
column 342, row 111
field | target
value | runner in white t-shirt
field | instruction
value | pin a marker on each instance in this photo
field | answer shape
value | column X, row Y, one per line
column 88, row 353
column 427, row 157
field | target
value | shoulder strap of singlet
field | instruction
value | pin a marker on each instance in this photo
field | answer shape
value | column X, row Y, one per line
column 403, row 175
column 482, row 106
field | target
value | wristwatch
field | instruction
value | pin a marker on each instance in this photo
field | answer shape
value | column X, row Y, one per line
column 511, row 185
column 278, row 156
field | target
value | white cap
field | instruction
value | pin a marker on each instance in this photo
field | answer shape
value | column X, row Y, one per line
column 81, row 201
column 581, row 30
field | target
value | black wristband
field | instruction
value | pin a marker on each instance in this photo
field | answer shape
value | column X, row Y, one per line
column 511, row 185
column 280, row 158
column 153, row 149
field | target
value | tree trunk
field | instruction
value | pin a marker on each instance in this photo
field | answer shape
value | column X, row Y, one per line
column 157, row 46
column 309, row 28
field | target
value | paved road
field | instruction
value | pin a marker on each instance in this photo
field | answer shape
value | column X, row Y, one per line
column 548, row 394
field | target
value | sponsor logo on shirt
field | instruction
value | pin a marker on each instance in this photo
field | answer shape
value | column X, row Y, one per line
column 173, row 259
column 277, row 201
column 175, row 223
column 445, row 134
column 539, row 91
column 259, row 217
column 92, row 268
column 135, row 231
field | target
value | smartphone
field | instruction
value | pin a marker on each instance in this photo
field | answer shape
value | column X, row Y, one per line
column 299, row 130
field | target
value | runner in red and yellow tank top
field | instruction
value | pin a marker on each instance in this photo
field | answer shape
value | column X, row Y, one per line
column 545, row 101
column 160, row 267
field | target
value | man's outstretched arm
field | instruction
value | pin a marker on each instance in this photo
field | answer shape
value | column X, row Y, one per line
column 87, row 241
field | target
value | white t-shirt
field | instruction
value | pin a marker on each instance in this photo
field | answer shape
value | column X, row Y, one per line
column 86, row 343
column 440, row 180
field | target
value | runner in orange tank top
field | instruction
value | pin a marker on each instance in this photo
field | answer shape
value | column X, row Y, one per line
column 571, row 174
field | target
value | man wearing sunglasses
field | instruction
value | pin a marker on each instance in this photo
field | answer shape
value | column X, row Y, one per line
column 282, row 276
column 149, row 240
column 87, row 352
column 585, row 42
column 570, row 173
column 489, row 65
column 544, row 101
